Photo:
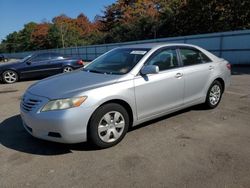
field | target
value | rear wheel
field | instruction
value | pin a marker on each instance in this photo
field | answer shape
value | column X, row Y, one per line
column 214, row 94
column 108, row 125
column 10, row 77
column 67, row 69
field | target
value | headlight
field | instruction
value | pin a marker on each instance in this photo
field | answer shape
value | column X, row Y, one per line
column 62, row 104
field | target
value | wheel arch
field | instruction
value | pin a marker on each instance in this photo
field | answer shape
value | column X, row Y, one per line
column 219, row 79
column 121, row 102
column 10, row 69
column 67, row 65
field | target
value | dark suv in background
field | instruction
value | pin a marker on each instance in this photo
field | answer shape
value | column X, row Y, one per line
column 38, row 65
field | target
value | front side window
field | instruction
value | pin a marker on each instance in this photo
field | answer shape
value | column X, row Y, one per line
column 166, row 59
column 41, row 57
column 119, row 61
column 193, row 57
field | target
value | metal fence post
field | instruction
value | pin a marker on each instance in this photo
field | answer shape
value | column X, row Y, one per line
column 86, row 53
column 95, row 53
column 185, row 40
column 221, row 45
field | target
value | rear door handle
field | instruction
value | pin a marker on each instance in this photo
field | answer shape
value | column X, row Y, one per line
column 178, row 75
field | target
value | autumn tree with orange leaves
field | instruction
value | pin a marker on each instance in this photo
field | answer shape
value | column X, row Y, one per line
column 39, row 36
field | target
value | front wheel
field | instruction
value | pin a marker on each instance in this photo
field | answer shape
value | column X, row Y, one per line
column 10, row 77
column 108, row 125
column 214, row 95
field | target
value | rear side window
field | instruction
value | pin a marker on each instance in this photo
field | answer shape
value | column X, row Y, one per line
column 56, row 56
column 165, row 59
column 193, row 57
column 204, row 58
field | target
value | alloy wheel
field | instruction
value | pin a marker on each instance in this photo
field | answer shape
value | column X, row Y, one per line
column 215, row 94
column 67, row 69
column 111, row 126
column 10, row 77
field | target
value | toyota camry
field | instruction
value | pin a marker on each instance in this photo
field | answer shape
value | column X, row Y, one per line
column 120, row 89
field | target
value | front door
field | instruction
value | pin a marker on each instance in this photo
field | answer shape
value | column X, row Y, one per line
column 159, row 93
column 37, row 66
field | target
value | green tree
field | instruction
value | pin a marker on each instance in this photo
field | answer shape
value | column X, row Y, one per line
column 12, row 42
column 25, row 37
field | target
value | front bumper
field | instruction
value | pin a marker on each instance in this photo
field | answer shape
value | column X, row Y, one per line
column 64, row 126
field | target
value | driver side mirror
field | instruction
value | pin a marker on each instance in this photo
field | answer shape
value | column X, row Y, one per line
column 150, row 69
column 28, row 62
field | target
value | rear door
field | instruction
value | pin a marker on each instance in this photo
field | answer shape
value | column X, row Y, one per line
column 158, row 93
column 197, row 69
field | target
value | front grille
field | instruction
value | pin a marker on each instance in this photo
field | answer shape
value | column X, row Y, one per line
column 29, row 104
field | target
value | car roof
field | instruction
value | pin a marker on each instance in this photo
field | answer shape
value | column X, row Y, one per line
column 156, row 45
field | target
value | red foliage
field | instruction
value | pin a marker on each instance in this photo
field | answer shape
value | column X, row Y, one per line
column 40, row 34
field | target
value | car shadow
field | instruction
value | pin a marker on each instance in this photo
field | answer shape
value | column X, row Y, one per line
column 14, row 136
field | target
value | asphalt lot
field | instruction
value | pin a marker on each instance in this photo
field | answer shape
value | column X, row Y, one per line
column 191, row 148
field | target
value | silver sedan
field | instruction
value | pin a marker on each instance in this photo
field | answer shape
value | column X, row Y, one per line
column 123, row 88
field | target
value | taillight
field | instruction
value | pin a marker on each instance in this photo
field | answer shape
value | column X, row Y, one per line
column 80, row 62
column 229, row 66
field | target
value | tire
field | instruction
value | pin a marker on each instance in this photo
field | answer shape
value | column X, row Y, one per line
column 9, row 77
column 108, row 125
column 67, row 69
column 214, row 95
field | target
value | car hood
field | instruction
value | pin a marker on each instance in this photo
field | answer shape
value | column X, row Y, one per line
column 13, row 64
column 71, row 84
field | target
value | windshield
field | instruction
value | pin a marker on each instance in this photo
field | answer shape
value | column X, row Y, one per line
column 26, row 58
column 119, row 61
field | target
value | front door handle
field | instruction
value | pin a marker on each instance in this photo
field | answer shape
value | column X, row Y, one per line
column 211, row 67
column 178, row 75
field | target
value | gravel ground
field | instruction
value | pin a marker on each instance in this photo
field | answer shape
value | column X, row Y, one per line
column 192, row 148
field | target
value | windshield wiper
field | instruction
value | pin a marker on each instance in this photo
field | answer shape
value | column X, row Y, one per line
column 94, row 71
column 108, row 72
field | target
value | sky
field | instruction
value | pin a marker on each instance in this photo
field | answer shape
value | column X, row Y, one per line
column 15, row 13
